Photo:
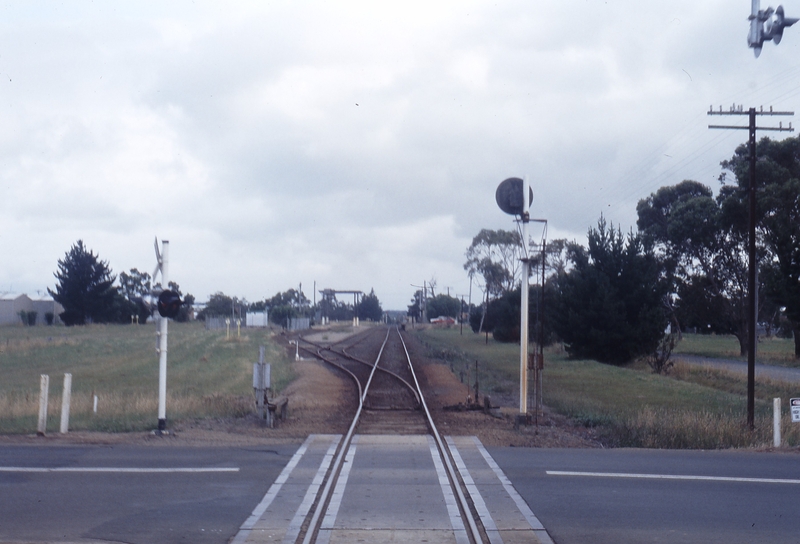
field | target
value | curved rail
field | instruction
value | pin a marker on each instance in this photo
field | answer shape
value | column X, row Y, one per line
column 343, row 352
column 324, row 497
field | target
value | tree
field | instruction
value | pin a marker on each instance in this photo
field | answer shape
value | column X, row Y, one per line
column 778, row 215
column 185, row 313
column 495, row 255
column 135, row 287
column 609, row 306
column 85, row 288
column 702, row 245
column 443, row 305
column 370, row 307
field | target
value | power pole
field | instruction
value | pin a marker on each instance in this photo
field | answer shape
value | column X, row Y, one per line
column 752, row 307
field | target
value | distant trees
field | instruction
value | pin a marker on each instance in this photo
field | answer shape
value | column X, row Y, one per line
column 85, row 288
column 370, row 307
column 495, row 256
column 443, row 305
column 135, row 287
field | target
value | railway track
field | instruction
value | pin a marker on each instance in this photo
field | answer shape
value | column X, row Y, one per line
column 390, row 402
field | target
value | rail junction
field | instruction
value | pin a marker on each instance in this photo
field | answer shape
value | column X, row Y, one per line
column 392, row 477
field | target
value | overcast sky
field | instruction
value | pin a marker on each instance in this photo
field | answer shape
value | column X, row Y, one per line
column 356, row 145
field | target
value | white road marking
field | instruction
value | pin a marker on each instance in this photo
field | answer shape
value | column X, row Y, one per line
column 456, row 523
column 247, row 526
column 120, row 469
column 311, row 494
column 673, row 477
column 477, row 499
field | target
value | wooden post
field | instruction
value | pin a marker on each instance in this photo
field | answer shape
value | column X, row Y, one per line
column 66, row 398
column 44, row 390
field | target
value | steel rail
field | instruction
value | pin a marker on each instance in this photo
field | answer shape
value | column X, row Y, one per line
column 324, row 498
column 444, row 454
column 344, row 353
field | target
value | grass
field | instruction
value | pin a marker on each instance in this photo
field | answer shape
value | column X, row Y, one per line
column 772, row 350
column 628, row 406
column 208, row 375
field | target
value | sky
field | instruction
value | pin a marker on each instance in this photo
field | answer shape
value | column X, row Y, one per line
column 354, row 145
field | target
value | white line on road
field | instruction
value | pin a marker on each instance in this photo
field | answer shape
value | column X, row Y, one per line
column 672, row 477
column 118, row 469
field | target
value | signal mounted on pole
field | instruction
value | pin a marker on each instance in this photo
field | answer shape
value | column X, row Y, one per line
column 765, row 25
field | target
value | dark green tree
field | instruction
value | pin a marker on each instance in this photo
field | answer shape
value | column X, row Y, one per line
column 85, row 288
column 443, row 305
column 370, row 307
column 778, row 215
column 702, row 243
column 136, row 287
column 609, row 307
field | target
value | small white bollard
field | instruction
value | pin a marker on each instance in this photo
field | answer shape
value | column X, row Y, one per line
column 44, row 389
column 94, row 407
column 66, row 398
column 776, row 422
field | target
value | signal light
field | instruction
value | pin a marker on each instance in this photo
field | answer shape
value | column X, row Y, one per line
column 169, row 304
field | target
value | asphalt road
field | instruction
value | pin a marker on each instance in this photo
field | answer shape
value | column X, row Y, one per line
column 136, row 507
column 77, row 505
column 604, row 509
column 780, row 373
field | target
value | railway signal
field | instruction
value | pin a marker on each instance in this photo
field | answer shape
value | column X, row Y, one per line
column 765, row 25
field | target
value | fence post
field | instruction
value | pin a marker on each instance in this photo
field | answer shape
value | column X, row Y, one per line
column 66, row 398
column 776, row 422
column 44, row 389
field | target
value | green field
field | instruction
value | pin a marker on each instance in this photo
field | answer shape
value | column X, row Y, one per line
column 209, row 374
column 773, row 350
column 629, row 406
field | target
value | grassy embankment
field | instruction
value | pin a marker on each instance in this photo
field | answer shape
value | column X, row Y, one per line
column 208, row 374
column 630, row 406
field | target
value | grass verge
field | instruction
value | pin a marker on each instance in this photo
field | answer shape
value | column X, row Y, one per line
column 627, row 406
column 208, row 375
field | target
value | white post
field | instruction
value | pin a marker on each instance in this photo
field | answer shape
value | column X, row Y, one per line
column 66, row 398
column 523, row 332
column 162, row 345
column 94, row 404
column 776, row 422
column 44, row 390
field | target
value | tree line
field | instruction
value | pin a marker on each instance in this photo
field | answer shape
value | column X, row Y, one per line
column 90, row 293
column 684, row 267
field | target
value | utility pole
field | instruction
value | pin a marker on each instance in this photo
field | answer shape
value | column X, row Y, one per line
column 752, row 306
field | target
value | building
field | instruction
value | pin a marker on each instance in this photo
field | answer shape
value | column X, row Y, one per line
column 11, row 304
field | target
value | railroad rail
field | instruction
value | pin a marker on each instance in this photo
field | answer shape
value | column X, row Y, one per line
column 390, row 401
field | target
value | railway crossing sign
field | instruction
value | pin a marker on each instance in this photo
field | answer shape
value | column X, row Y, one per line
column 794, row 406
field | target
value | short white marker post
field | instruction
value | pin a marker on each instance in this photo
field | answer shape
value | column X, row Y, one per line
column 44, row 389
column 776, row 422
column 94, row 404
column 66, row 398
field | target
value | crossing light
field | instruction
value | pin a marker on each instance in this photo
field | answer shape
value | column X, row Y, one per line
column 169, row 304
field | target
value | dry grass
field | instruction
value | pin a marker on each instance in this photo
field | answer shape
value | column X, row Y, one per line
column 690, row 408
column 209, row 375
